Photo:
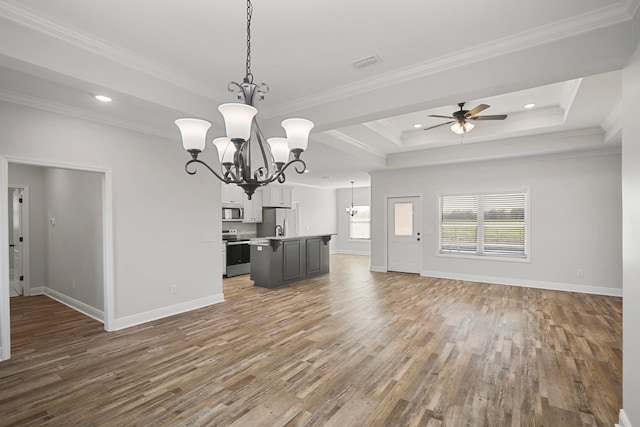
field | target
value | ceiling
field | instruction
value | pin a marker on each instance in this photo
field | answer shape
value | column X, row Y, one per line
column 162, row 60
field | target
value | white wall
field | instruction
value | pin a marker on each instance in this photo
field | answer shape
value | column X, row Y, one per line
column 34, row 177
column 74, row 251
column 317, row 211
column 631, row 242
column 361, row 197
column 575, row 219
column 166, row 224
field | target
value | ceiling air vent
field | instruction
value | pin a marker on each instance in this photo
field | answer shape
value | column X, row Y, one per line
column 366, row 62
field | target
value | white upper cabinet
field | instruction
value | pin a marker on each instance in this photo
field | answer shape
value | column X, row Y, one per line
column 277, row 196
column 253, row 208
column 232, row 195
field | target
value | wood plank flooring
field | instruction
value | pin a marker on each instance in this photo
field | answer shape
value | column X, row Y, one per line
column 350, row 348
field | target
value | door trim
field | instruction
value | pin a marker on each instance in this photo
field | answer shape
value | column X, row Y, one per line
column 386, row 225
column 107, row 243
column 26, row 254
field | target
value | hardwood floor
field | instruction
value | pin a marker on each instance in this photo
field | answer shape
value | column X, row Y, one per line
column 349, row 348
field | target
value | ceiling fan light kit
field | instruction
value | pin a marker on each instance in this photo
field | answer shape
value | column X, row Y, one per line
column 460, row 118
column 243, row 131
column 461, row 128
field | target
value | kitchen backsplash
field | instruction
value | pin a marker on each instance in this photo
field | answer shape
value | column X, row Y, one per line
column 243, row 229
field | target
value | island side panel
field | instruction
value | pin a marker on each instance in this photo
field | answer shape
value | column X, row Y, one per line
column 266, row 265
column 292, row 266
column 314, row 256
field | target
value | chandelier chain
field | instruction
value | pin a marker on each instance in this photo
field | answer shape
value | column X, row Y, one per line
column 249, row 75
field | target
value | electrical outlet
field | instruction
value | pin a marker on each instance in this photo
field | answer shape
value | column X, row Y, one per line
column 73, row 283
column 580, row 272
column 174, row 289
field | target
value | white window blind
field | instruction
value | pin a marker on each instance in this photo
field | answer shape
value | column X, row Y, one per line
column 484, row 224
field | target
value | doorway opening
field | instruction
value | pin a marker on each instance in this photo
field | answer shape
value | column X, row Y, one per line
column 71, row 234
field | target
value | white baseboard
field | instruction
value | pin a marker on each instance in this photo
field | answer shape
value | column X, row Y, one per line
column 367, row 253
column 624, row 420
column 37, row 290
column 378, row 268
column 83, row 308
column 554, row 286
column 137, row 319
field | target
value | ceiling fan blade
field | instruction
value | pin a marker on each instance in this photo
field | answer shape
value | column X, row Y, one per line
column 441, row 124
column 442, row 117
column 476, row 110
column 493, row 117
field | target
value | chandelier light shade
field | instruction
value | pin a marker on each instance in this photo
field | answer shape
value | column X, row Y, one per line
column 297, row 133
column 225, row 148
column 237, row 120
column 461, row 128
column 243, row 135
column 352, row 210
column 194, row 133
column 279, row 150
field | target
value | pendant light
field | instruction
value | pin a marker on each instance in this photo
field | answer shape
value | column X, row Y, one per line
column 352, row 210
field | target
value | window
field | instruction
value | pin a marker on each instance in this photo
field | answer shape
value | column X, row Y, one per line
column 360, row 224
column 403, row 219
column 484, row 224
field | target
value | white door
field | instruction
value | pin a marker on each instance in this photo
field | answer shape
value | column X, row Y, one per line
column 404, row 226
column 15, row 241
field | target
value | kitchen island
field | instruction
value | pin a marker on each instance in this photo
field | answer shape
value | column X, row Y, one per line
column 277, row 261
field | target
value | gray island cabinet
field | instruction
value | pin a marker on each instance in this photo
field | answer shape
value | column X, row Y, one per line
column 277, row 261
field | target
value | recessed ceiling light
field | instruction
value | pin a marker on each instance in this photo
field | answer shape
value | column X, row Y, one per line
column 417, row 125
column 103, row 98
column 529, row 105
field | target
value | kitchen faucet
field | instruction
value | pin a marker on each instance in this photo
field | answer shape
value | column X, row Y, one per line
column 278, row 230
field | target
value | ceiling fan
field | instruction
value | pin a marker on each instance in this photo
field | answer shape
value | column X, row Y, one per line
column 459, row 118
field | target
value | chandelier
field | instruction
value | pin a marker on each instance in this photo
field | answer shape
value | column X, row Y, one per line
column 243, row 135
column 352, row 210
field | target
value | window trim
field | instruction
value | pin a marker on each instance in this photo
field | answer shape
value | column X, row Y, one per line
column 481, row 256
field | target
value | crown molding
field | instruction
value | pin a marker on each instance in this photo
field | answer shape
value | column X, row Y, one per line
column 385, row 130
column 55, row 107
column 569, row 93
column 631, row 6
column 579, row 24
column 355, row 142
column 29, row 18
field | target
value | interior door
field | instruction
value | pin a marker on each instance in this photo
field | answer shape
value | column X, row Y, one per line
column 15, row 241
column 404, row 227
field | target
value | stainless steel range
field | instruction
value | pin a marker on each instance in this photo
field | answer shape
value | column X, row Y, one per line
column 238, row 250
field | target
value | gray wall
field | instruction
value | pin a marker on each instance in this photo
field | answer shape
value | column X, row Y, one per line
column 575, row 219
column 361, row 196
column 631, row 242
column 74, row 251
column 33, row 177
column 166, row 224
column 316, row 210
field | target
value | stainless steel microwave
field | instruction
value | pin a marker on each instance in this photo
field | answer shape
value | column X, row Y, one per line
column 232, row 214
